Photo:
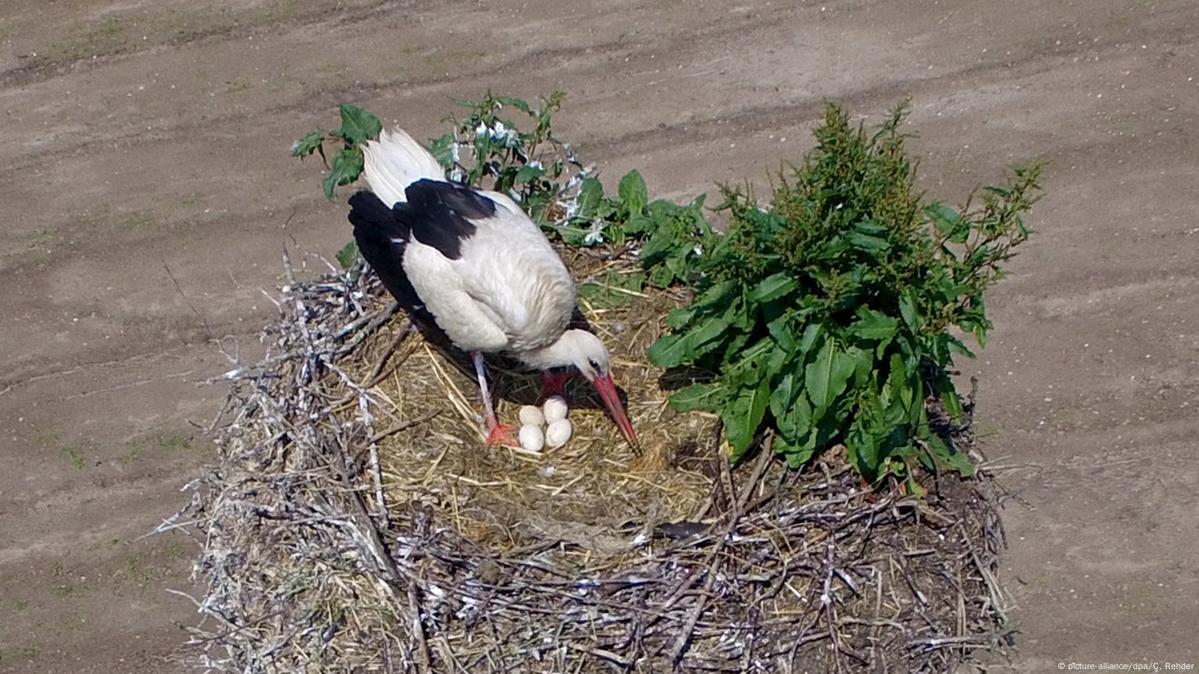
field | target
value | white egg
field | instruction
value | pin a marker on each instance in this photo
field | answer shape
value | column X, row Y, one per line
column 531, row 438
column 530, row 415
column 555, row 409
column 558, row 432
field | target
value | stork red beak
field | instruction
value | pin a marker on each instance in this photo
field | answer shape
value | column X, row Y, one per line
column 607, row 392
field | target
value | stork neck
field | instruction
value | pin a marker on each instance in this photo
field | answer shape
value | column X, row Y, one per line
column 562, row 353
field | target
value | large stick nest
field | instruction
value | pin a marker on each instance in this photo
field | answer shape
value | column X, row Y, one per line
column 356, row 522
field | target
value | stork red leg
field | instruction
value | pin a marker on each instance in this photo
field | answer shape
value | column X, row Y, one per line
column 497, row 433
column 553, row 383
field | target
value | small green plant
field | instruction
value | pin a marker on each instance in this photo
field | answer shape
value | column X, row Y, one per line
column 357, row 127
column 488, row 148
column 74, row 456
column 828, row 317
column 520, row 156
column 131, row 455
column 174, row 441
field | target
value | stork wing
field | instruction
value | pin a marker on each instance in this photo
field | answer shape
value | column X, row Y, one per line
column 420, row 276
column 500, row 257
column 479, row 265
column 509, row 266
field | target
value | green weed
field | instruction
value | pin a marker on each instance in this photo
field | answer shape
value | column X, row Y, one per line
column 825, row 316
column 175, row 441
column 74, row 456
column 131, row 455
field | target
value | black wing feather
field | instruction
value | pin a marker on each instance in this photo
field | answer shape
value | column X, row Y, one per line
column 381, row 238
column 439, row 214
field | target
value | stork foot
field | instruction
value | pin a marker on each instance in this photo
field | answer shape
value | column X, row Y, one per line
column 501, row 434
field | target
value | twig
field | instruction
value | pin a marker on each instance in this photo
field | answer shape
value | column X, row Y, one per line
column 418, row 628
column 382, row 435
column 188, row 302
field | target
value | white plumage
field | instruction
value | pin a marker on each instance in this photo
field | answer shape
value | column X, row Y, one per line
column 473, row 264
column 395, row 161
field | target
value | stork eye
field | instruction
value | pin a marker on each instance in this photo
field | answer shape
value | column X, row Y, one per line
column 595, row 366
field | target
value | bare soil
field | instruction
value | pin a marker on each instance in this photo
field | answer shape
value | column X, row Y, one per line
column 147, row 195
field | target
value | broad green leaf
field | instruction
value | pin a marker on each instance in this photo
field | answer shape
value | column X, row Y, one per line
column 732, row 349
column 591, row 193
column 956, row 346
column 749, row 364
column 675, row 350
column 660, row 245
column 870, row 227
column 863, row 364
column 874, row 325
column 515, row 102
column 784, row 393
column 739, row 313
column 948, row 222
column 527, row 173
column 613, row 288
column 907, row 308
column 707, row 333
column 784, row 335
column 949, row 456
column 899, row 390
column 867, row 242
column 949, row 397
column 718, row 294
column 790, row 407
column 827, row 376
column 811, row 336
column 863, row 449
column 669, row 350
column 442, row 148
column 744, row 416
column 348, row 256
column 308, row 144
column 772, row 287
column 678, row 318
column 358, row 125
column 633, row 193
column 346, row 168
column 796, row 453
column 779, row 361
column 697, row 397
column 639, row 223
column 661, row 276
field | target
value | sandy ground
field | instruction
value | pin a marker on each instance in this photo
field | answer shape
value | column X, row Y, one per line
column 147, row 194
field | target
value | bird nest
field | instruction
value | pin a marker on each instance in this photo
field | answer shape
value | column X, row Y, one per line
column 355, row 521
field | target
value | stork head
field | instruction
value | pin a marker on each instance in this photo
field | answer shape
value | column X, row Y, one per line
column 586, row 353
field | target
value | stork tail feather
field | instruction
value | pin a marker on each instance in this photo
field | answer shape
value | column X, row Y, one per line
column 395, row 161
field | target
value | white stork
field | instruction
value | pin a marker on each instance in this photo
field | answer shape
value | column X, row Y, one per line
column 471, row 264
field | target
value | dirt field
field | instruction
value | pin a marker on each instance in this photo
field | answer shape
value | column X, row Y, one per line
column 147, row 195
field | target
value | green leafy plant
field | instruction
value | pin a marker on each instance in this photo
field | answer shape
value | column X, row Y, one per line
column 829, row 316
column 357, row 127
column 508, row 145
column 488, row 148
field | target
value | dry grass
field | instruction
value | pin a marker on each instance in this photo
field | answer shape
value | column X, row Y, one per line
column 505, row 498
column 356, row 522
